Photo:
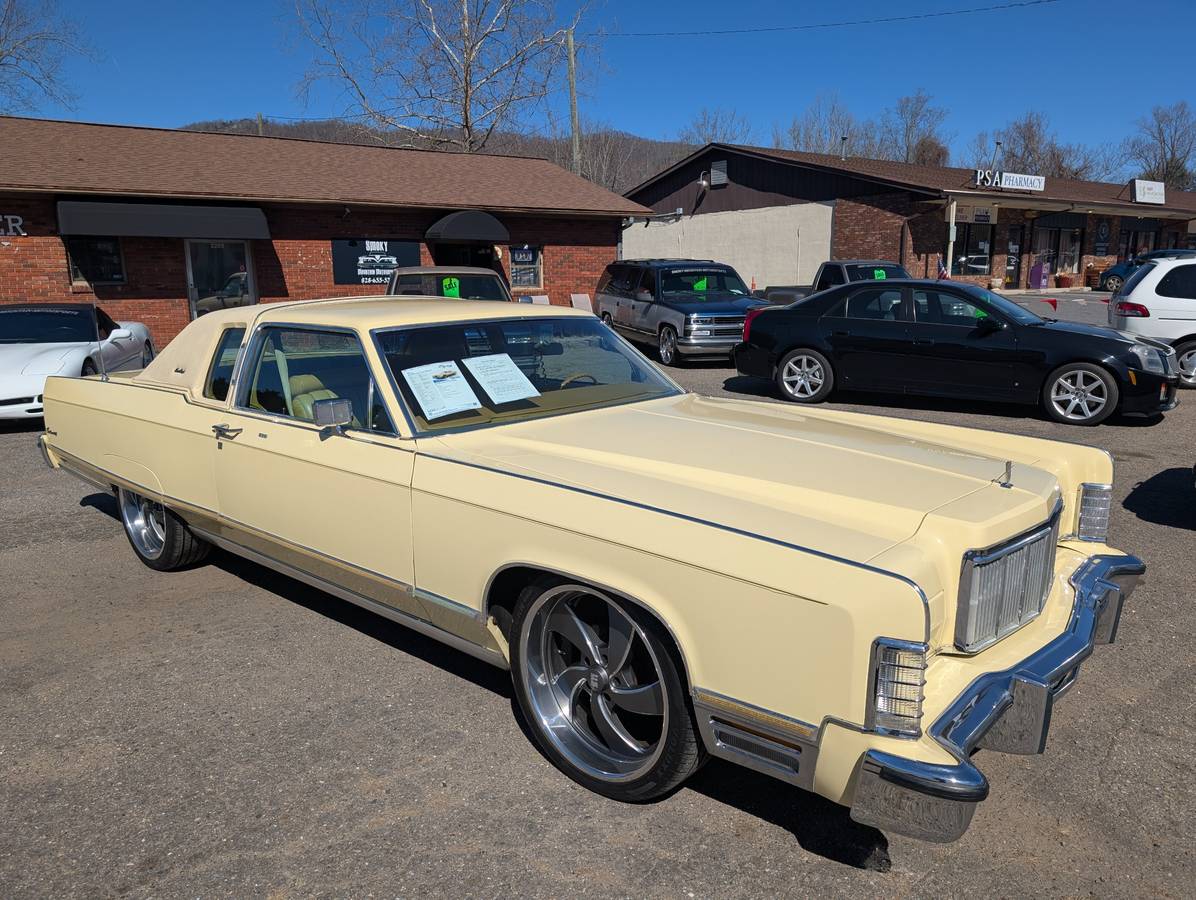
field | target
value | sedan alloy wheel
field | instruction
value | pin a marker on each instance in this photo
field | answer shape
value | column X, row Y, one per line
column 803, row 376
column 1078, row 395
column 1187, row 365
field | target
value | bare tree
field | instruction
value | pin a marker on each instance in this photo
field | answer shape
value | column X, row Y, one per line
column 34, row 39
column 910, row 126
column 440, row 73
column 1029, row 145
column 1164, row 149
column 723, row 126
column 827, row 126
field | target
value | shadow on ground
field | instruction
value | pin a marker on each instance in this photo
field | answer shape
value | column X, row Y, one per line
column 1168, row 498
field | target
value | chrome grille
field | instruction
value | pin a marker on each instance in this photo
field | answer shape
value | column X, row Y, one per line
column 1004, row 587
column 719, row 326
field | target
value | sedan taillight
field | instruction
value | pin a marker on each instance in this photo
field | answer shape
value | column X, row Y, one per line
column 747, row 321
column 1132, row 310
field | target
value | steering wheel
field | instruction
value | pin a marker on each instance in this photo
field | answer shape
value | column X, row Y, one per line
column 574, row 377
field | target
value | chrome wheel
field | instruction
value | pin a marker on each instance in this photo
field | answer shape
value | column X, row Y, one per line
column 594, row 683
column 803, row 376
column 145, row 521
column 1187, row 367
column 1113, row 283
column 1079, row 395
column 668, row 346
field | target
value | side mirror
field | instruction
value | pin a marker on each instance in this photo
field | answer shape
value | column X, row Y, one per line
column 989, row 324
column 120, row 334
column 332, row 414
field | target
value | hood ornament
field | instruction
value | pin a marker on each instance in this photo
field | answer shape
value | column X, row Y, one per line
column 1006, row 480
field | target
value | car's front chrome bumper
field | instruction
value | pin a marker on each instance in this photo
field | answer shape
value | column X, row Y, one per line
column 1009, row 711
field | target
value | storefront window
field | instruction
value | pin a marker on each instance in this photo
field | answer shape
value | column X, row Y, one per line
column 973, row 250
column 526, row 267
column 1135, row 243
column 95, row 260
column 1059, row 249
column 1071, row 242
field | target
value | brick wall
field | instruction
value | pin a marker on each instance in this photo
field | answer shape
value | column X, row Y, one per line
column 296, row 264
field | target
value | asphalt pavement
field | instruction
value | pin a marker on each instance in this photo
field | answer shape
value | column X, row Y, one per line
column 226, row 731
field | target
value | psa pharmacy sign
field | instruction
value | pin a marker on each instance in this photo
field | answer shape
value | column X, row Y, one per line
column 1012, row 181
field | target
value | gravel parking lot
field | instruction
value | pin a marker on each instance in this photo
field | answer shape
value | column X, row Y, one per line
column 229, row 731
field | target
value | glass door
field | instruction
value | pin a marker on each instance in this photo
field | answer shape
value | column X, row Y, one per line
column 219, row 275
column 1013, row 255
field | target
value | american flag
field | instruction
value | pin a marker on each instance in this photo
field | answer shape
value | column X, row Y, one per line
column 943, row 271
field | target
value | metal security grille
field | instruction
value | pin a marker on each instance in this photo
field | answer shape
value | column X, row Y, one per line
column 1003, row 588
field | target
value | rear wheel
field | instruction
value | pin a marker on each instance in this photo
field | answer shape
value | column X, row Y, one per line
column 1114, row 283
column 147, row 354
column 601, row 691
column 160, row 539
column 607, row 320
column 1080, row 394
column 805, row 376
column 1186, row 353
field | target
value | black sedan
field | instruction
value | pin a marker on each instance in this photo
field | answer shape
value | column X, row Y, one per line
column 954, row 340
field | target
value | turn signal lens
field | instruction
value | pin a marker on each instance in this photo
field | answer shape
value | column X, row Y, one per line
column 747, row 321
column 1096, row 501
column 1132, row 310
column 897, row 678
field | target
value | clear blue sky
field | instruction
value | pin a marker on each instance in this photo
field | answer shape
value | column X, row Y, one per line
column 1093, row 66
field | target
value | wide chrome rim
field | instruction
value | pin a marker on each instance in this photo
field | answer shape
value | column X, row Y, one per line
column 594, row 682
column 145, row 521
column 803, row 376
column 668, row 346
column 1187, row 368
column 1079, row 395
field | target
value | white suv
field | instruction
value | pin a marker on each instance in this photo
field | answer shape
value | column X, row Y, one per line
column 1159, row 301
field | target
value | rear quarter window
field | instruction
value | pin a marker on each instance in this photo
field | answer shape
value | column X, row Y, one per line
column 1137, row 278
column 1179, row 282
column 224, row 360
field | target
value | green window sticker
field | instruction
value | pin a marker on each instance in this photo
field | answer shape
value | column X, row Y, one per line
column 450, row 287
column 879, row 274
column 700, row 284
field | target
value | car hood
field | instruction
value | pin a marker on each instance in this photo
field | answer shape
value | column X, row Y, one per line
column 1101, row 331
column 716, row 303
column 34, row 359
column 845, row 489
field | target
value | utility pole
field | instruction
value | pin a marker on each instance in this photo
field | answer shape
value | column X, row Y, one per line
column 260, row 131
column 572, row 50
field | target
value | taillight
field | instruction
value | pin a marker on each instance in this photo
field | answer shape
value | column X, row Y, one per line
column 747, row 321
column 1132, row 310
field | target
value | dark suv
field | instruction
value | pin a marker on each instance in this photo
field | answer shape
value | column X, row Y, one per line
column 684, row 307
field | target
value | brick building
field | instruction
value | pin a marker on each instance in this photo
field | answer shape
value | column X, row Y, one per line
column 156, row 224
column 777, row 214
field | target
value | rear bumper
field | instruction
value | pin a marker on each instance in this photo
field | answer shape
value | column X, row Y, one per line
column 1007, row 711
column 752, row 360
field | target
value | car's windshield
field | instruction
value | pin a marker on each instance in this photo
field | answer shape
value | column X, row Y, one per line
column 874, row 271
column 486, row 372
column 1136, row 279
column 45, row 325
column 700, row 283
column 463, row 285
column 1004, row 306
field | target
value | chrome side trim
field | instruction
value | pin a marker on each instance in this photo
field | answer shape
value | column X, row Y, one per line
column 459, row 608
column 415, row 624
column 730, row 529
column 1008, row 711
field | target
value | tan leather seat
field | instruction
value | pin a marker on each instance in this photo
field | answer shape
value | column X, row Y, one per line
column 305, row 391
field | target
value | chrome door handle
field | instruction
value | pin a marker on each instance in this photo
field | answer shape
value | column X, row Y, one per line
column 225, row 431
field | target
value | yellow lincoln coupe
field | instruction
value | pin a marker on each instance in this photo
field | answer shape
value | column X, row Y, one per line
column 851, row 604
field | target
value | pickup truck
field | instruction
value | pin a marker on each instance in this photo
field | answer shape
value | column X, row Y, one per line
column 464, row 282
column 836, row 272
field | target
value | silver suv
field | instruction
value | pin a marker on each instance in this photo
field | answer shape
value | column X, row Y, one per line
column 683, row 307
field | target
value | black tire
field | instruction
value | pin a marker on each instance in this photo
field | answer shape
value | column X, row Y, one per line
column 89, row 369
column 608, row 321
column 166, row 543
column 1185, row 352
column 798, row 373
column 666, row 346
column 1090, row 383
column 1113, row 283
column 147, row 354
column 679, row 751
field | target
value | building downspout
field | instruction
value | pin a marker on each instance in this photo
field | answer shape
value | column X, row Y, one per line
column 950, row 235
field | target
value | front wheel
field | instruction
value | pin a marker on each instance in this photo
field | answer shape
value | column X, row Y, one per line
column 89, row 369
column 1186, row 355
column 601, row 691
column 1080, row 394
column 1113, row 283
column 667, row 346
column 160, row 539
column 147, row 354
column 805, row 376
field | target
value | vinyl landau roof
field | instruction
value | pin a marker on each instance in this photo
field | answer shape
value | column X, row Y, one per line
column 78, row 158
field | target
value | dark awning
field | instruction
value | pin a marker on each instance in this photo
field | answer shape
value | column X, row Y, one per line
column 469, row 225
column 160, row 220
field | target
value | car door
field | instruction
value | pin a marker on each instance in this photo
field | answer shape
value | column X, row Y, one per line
column 644, row 311
column 963, row 348
column 871, row 339
column 333, row 504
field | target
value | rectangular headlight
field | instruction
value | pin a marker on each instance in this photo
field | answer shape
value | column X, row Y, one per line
column 1095, row 503
column 896, row 681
